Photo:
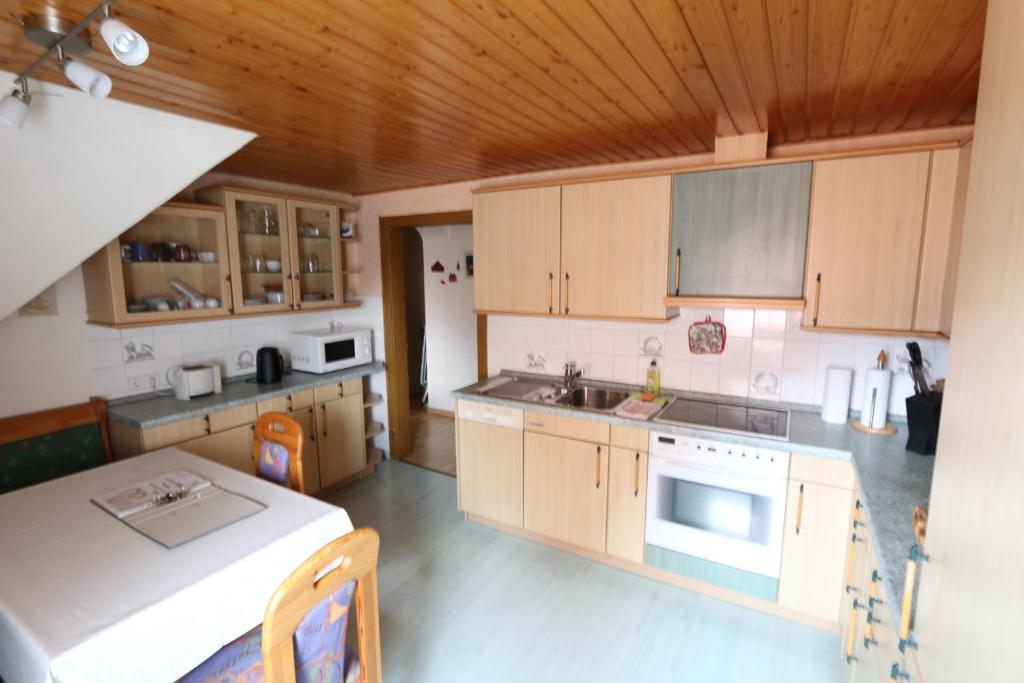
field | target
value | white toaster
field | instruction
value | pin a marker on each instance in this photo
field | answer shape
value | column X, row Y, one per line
column 195, row 380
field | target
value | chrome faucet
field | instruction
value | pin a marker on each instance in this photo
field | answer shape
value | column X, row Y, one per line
column 571, row 374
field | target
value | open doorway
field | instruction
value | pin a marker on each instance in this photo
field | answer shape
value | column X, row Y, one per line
column 434, row 342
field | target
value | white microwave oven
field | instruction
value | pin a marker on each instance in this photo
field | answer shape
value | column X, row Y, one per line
column 328, row 350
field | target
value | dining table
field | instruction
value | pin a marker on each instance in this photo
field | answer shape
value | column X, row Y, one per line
column 85, row 597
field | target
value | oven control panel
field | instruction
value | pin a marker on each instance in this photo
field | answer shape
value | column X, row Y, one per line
column 764, row 463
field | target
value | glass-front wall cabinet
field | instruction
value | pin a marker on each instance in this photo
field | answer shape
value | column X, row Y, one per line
column 316, row 254
column 172, row 265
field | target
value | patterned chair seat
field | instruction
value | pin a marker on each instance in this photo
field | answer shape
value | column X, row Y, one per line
column 320, row 652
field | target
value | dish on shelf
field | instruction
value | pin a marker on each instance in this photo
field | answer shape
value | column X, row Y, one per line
column 273, row 266
column 138, row 307
column 253, row 301
column 309, row 231
column 275, row 297
column 312, row 296
column 206, row 256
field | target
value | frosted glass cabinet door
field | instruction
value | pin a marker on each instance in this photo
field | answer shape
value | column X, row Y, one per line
column 740, row 232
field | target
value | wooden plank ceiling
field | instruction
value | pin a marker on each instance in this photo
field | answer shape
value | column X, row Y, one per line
column 369, row 96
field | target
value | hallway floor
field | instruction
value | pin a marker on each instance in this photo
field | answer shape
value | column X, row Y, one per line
column 433, row 440
column 463, row 602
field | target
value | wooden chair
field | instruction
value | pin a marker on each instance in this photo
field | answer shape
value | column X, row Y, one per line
column 37, row 447
column 352, row 557
column 305, row 624
column 277, row 450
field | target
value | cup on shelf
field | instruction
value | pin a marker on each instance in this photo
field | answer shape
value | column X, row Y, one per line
column 182, row 253
column 212, row 302
column 268, row 222
column 312, row 265
column 163, row 251
column 273, row 266
column 275, row 297
column 257, row 264
column 140, row 251
column 206, row 256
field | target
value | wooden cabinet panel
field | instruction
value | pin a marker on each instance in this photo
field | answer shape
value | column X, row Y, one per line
column 818, row 469
column 627, row 504
column 565, row 490
column 285, row 404
column 232, row 448
column 175, row 432
column 569, row 427
column 814, row 549
column 310, row 457
column 341, row 442
column 490, row 476
column 864, row 241
column 329, row 392
column 516, row 241
column 740, row 232
column 614, row 243
column 232, row 417
column 630, row 438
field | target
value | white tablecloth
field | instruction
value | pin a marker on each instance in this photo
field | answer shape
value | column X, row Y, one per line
column 84, row 597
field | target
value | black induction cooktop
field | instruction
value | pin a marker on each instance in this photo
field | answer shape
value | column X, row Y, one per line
column 769, row 423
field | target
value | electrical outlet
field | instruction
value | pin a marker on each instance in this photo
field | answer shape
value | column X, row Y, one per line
column 142, row 383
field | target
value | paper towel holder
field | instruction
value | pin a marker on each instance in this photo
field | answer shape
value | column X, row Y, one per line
column 888, row 430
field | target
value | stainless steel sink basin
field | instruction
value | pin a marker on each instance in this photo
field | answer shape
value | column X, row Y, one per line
column 521, row 389
column 592, row 398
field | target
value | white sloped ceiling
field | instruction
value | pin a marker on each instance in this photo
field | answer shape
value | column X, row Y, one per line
column 81, row 171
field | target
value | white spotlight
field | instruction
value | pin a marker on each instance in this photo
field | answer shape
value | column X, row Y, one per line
column 127, row 46
column 86, row 78
column 14, row 108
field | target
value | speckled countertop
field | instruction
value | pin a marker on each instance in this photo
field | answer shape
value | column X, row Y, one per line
column 893, row 480
column 164, row 408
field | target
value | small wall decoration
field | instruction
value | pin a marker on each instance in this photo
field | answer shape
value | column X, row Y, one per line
column 443, row 281
column 452, row 277
column 44, row 304
column 469, row 265
column 437, row 267
column 348, row 230
column 707, row 337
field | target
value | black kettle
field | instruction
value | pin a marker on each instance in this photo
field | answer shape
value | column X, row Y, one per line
column 269, row 365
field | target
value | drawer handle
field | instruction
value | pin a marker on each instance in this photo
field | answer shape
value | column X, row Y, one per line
column 872, row 619
column 800, row 509
column 869, row 642
column 896, row 675
column 636, row 477
column 206, row 422
column 536, row 424
column 916, row 557
column 323, row 407
column 817, row 298
column 872, row 601
column 679, row 269
column 289, row 403
column 597, row 468
column 551, row 293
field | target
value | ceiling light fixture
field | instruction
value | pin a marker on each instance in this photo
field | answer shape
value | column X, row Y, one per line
column 60, row 37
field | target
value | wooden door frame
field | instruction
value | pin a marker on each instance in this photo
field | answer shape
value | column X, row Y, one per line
column 392, row 261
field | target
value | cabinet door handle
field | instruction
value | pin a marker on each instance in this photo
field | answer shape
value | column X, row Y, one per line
column 290, row 405
column 896, row 675
column 800, row 509
column 849, row 564
column 597, row 468
column 817, row 298
column 551, row 293
column 312, row 432
column 679, row 269
column 567, row 293
column 636, row 477
column 851, row 637
column 206, row 422
column 916, row 557
column 323, row 407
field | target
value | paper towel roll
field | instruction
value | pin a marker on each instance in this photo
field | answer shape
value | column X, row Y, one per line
column 876, row 398
column 835, row 407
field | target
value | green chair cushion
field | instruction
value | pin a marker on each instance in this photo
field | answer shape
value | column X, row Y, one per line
column 46, row 457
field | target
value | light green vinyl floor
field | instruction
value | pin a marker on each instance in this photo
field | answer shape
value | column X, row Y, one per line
column 462, row 602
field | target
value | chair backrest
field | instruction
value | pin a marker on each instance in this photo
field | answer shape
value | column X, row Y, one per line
column 351, row 557
column 36, row 447
column 277, row 450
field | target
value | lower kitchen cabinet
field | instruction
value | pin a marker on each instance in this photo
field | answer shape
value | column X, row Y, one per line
column 491, row 472
column 565, row 489
column 232, row 447
column 310, row 457
column 814, row 549
column 341, row 438
column 627, row 504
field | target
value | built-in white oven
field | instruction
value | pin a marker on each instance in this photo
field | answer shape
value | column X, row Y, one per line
column 328, row 350
column 717, row 502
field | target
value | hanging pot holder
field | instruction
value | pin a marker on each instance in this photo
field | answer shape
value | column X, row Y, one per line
column 707, row 337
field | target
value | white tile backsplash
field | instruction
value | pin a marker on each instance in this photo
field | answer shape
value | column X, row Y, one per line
column 757, row 342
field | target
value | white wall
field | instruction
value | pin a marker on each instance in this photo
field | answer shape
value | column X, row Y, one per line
column 769, row 342
column 451, row 324
column 81, row 171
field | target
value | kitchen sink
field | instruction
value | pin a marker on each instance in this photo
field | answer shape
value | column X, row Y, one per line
column 522, row 390
column 592, row 398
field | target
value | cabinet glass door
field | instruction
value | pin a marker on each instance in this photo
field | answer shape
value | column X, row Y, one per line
column 316, row 254
column 261, row 268
column 172, row 265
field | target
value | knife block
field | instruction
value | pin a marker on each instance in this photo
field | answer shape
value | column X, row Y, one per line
column 923, row 412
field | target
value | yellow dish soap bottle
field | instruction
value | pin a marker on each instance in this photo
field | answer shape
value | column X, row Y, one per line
column 653, row 387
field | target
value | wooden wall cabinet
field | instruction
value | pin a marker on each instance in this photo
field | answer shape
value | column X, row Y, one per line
column 814, row 546
column 740, row 233
column 116, row 287
column 614, row 240
column 516, row 242
column 884, row 242
column 627, row 504
column 317, row 265
column 565, row 490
